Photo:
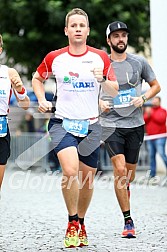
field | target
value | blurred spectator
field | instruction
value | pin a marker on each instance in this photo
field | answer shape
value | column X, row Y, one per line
column 52, row 157
column 27, row 124
column 155, row 124
column 102, row 158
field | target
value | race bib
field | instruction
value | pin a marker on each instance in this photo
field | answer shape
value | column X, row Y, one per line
column 3, row 126
column 76, row 127
column 124, row 97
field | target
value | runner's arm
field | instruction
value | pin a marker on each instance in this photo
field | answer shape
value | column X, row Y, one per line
column 38, row 87
column 19, row 90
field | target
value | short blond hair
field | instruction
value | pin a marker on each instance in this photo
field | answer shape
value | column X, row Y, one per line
column 75, row 11
column 1, row 41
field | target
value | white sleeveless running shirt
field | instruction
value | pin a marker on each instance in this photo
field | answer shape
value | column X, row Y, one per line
column 5, row 90
column 77, row 89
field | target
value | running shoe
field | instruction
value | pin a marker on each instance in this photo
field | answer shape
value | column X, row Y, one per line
column 71, row 239
column 83, row 236
column 129, row 230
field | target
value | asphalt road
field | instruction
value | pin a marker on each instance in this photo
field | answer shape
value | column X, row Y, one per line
column 33, row 217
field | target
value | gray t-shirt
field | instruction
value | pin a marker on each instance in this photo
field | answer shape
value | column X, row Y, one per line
column 130, row 75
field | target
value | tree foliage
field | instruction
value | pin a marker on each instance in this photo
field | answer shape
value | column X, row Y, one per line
column 31, row 29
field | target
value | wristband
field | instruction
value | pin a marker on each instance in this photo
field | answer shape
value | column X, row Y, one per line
column 22, row 91
column 21, row 95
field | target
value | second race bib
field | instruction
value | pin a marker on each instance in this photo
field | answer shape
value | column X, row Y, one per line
column 123, row 98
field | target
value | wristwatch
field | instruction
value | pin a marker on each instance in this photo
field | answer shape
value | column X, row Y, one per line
column 144, row 98
column 103, row 80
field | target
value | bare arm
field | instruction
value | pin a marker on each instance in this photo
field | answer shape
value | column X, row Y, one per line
column 151, row 92
column 17, row 86
column 109, row 87
column 154, row 89
column 38, row 87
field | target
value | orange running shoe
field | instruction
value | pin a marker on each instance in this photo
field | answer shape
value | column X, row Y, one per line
column 83, row 236
column 71, row 239
column 129, row 230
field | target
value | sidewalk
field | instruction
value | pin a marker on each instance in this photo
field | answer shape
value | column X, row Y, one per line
column 33, row 216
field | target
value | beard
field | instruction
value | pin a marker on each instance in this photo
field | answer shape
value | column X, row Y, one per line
column 117, row 49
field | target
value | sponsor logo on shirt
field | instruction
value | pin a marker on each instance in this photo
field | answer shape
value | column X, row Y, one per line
column 73, row 79
column 2, row 92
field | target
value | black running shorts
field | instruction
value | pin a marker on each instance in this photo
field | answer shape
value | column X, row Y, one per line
column 4, row 148
column 126, row 141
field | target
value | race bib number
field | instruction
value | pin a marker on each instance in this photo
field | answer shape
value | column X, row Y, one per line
column 3, row 126
column 76, row 127
column 124, row 97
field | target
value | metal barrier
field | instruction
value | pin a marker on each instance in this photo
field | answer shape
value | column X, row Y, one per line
column 31, row 149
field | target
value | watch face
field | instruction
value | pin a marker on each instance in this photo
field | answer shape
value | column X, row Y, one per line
column 144, row 98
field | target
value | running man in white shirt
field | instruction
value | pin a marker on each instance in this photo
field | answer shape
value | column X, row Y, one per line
column 79, row 71
column 9, row 80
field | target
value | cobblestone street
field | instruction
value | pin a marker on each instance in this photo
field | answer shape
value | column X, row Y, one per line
column 33, row 216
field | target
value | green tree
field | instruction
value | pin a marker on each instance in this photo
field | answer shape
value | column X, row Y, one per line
column 31, row 29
